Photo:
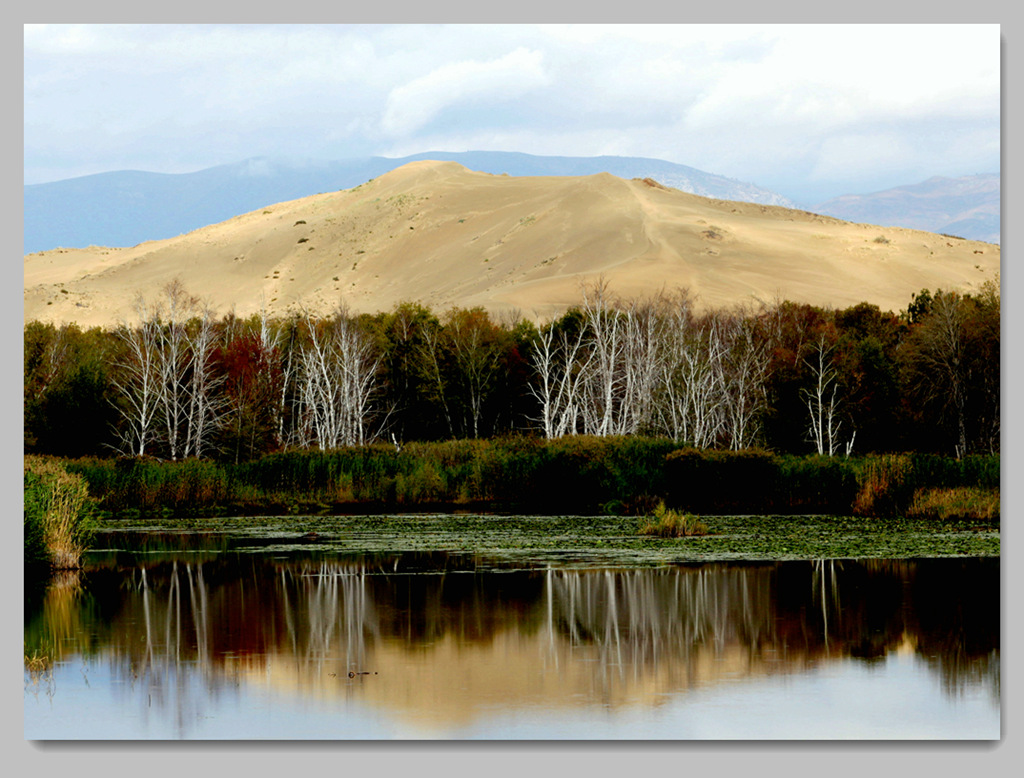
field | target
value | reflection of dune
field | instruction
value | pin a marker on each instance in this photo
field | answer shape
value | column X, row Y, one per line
column 612, row 640
column 448, row 685
column 444, row 650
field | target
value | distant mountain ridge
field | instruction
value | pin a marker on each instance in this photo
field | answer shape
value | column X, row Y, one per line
column 967, row 207
column 125, row 208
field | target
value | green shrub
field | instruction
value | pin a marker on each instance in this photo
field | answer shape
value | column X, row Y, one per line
column 816, row 484
column 710, row 481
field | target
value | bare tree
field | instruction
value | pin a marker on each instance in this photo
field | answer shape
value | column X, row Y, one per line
column 560, row 364
column 206, row 405
column 338, row 381
column 136, row 379
column 691, row 393
column 606, row 343
column 166, row 380
column 174, row 362
column 642, row 358
column 745, row 369
column 702, row 374
column 822, row 401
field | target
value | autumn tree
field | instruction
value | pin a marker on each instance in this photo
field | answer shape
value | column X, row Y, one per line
column 67, row 408
column 792, row 330
column 250, row 376
column 472, row 346
column 866, row 359
column 950, row 370
column 408, row 340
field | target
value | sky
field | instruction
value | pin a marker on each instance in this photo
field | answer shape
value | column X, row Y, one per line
column 808, row 111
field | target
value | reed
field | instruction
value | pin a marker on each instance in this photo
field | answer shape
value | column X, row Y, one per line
column 962, row 503
column 580, row 475
column 58, row 514
column 886, row 485
column 667, row 523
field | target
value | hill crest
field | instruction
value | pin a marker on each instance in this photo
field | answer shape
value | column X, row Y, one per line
column 435, row 232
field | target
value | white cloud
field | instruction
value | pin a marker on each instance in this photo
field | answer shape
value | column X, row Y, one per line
column 414, row 104
column 765, row 103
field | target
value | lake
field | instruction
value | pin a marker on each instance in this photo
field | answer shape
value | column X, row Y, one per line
column 198, row 635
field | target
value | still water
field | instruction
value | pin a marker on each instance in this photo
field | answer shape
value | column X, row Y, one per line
column 296, row 645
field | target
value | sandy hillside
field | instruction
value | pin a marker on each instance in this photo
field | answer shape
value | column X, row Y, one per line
column 440, row 234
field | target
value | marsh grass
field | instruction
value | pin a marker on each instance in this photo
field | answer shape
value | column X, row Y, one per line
column 578, row 475
column 58, row 514
column 667, row 523
column 886, row 486
column 925, row 484
column 958, row 503
column 36, row 662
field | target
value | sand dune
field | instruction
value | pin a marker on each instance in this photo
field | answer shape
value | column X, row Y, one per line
column 437, row 233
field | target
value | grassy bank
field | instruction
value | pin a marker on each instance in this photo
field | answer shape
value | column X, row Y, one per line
column 580, row 475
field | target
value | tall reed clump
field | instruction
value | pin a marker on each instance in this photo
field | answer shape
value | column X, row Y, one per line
column 59, row 515
column 886, row 485
column 667, row 523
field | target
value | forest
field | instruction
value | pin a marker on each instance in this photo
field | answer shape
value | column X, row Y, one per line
column 181, row 381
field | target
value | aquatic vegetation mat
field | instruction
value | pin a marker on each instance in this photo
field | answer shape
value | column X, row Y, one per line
column 565, row 539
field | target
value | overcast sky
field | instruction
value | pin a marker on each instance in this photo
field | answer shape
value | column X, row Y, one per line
column 807, row 111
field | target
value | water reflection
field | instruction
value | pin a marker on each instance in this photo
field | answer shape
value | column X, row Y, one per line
column 442, row 641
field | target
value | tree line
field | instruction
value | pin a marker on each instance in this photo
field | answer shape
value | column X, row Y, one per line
column 181, row 381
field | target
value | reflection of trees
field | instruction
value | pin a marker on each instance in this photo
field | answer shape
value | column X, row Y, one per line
column 645, row 616
column 845, row 608
column 187, row 630
column 956, row 623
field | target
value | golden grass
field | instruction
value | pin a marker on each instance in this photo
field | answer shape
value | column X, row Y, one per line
column 667, row 523
column 965, row 502
column 883, row 486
